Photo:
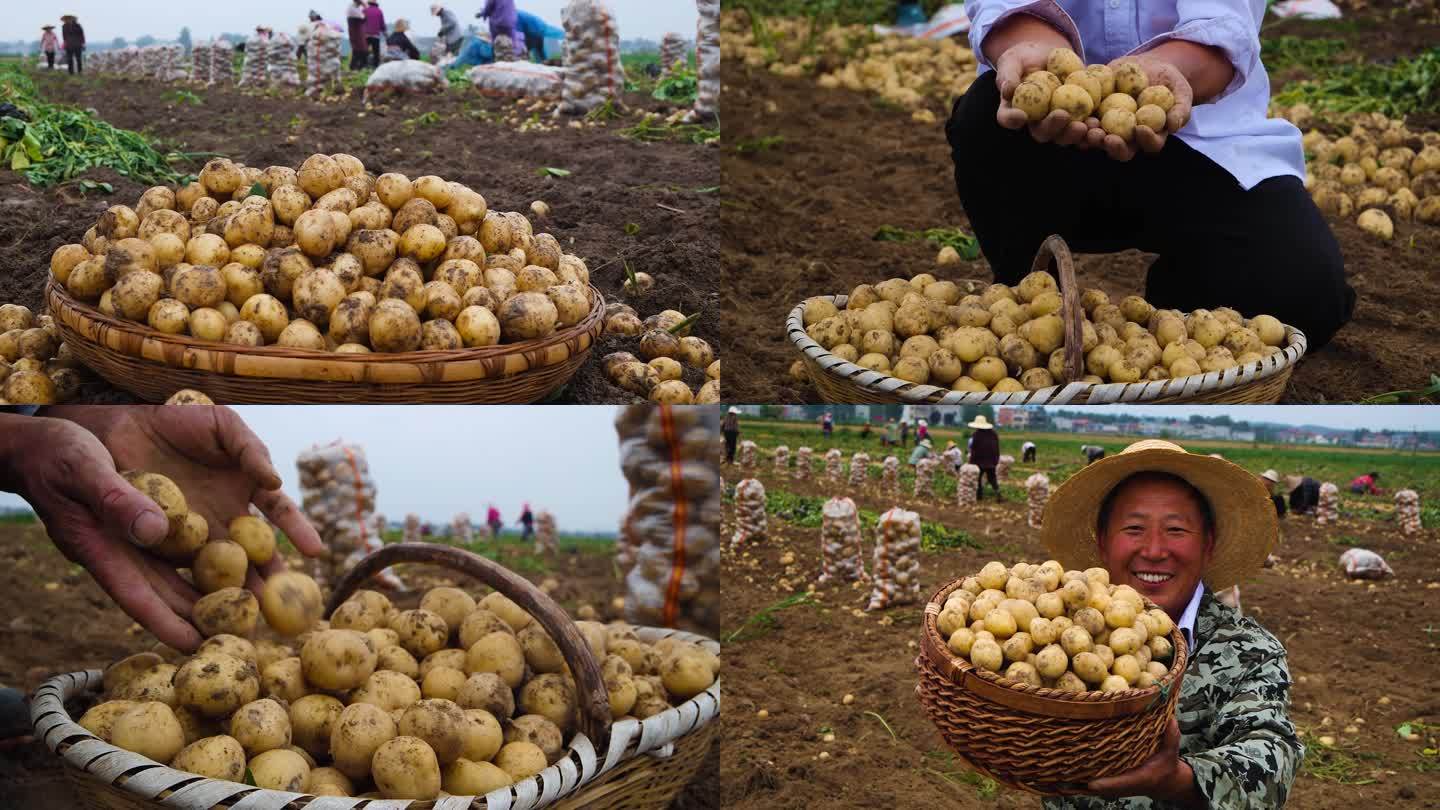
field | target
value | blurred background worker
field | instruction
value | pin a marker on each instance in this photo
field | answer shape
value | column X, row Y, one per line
column 492, row 519
column 1093, row 453
column 1304, row 493
column 527, row 519
column 1027, row 451
column 1365, row 484
column 1245, row 232
column 355, row 21
column 503, row 21
column 74, row 37
column 449, row 35
column 49, row 43
column 730, row 429
column 985, row 454
column 398, row 44
column 533, row 30
column 1272, row 482
column 374, row 31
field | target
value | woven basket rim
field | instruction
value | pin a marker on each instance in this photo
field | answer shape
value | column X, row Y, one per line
column 592, row 322
column 1234, row 378
column 643, row 739
column 1057, row 698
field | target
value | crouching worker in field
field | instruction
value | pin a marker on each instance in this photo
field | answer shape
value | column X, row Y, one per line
column 1217, row 190
column 1178, row 527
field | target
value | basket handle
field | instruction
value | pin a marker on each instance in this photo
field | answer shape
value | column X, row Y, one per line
column 1055, row 247
column 593, row 700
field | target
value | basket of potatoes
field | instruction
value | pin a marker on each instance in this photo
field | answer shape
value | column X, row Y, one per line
column 1044, row 679
column 324, row 284
column 501, row 702
column 923, row 340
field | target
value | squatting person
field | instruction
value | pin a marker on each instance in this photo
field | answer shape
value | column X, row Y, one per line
column 1222, row 201
column 1179, row 527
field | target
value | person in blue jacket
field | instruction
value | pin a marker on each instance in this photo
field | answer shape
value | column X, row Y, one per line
column 534, row 30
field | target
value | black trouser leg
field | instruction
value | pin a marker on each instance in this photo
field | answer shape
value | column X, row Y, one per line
column 80, row 62
column 1266, row 250
column 70, row 62
column 50, row 59
column 731, row 439
column 374, row 51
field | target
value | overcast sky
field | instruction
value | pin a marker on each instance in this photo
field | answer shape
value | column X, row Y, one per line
column 437, row 460
column 1374, row 417
column 103, row 20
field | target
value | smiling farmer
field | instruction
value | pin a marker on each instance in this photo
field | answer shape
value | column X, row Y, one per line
column 1177, row 527
column 1222, row 201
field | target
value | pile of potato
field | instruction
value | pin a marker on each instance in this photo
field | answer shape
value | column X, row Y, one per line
column 328, row 258
column 1069, row 630
column 908, row 72
column 666, row 347
column 1121, row 99
column 36, row 367
column 1012, row 338
column 456, row 697
column 1382, row 172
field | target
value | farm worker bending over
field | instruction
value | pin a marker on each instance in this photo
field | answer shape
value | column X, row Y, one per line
column 1027, row 451
column 502, row 16
column 1272, row 480
column 374, row 30
column 1218, row 194
column 1304, row 493
column 64, row 463
column 730, row 429
column 985, row 454
column 449, row 33
column 922, row 450
column 1365, row 484
column 398, row 44
column 1179, row 527
column 533, row 29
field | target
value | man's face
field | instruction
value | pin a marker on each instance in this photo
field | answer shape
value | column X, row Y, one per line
column 1156, row 543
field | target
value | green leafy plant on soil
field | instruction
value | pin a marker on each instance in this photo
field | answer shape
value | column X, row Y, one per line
column 679, row 87
column 754, row 146
column 1429, row 395
column 764, row 620
column 1312, row 54
column 1337, row 763
column 653, row 128
column 966, row 245
column 1397, row 88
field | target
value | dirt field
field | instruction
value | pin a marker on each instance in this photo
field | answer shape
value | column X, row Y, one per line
column 59, row 620
column 650, row 204
column 798, row 220
column 1344, row 642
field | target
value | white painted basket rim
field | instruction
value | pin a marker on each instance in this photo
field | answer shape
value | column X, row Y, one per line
column 1073, row 393
column 582, row 764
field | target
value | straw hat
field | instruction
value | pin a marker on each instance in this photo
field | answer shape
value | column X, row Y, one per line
column 925, row 443
column 981, row 423
column 47, row 28
column 1245, row 523
column 734, row 409
column 1271, row 476
column 402, row 24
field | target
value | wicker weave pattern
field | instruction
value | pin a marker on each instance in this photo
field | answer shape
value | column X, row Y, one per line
column 1040, row 740
column 153, row 365
column 645, row 765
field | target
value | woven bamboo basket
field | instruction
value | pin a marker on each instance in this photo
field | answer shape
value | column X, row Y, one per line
column 631, row 764
column 840, row 381
column 153, row 365
column 1040, row 740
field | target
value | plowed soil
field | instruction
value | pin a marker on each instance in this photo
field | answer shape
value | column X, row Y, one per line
column 649, row 204
column 1355, row 652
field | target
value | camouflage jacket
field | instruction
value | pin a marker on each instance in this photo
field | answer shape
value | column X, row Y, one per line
column 1234, row 720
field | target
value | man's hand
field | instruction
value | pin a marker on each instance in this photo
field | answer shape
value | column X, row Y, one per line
column 1018, row 61
column 1147, row 139
column 1164, row 776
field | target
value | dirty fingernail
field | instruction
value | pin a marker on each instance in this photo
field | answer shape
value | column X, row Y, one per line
column 149, row 528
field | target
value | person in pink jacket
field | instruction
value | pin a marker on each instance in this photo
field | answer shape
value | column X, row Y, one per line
column 49, row 43
column 374, row 30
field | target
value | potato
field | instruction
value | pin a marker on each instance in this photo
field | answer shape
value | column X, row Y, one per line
column 499, row 653
column 1090, row 84
column 686, row 674
column 527, row 316
column 283, row 679
column 156, row 683
column 220, row 564
column 218, row 757
column 290, row 600
column 1044, row 78
column 489, row 692
column 280, row 769
column 1131, row 79
column 231, row 610
column 572, row 304
column 521, row 760
column 338, row 659
column 1150, row 116
column 1062, row 62
column 421, row 632
column 260, row 726
column 394, row 327
column 216, row 684
column 1158, row 95
column 387, row 689
column 312, row 720
column 316, row 293
column 357, row 732
column 1377, row 223
column 439, row 723
column 127, row 669
column 1073, row 99
column 1120, row 123
column 244, row 333
column 257, row 538
column 466, row 777
column 268, row 315
column 221, row 176
column 509, row 612
column 1033, row 99
column 253, row 224
column 320, row 174
column 150, row 730
column 62, row 261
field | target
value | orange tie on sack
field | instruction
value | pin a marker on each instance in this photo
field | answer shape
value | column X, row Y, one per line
column 677, row 491
column 355, row 468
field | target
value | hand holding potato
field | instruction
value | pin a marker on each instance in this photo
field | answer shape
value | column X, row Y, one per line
column 1018, row 62
column 1146, row 136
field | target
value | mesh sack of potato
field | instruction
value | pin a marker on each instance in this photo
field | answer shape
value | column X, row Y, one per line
column 747, row 454
column 925, row 476
column 1037, row 493
column 668, row 456
column 282, row 64
column 841, row 557
column 1360, row 563
column 859, row 469
column 255, row 70
column 1407, row 512
column 835, row 465
column 593, row 75
column 1002, row 469
column 1044, row 678
column 890, row 475
column 337, row 494
column 1327, row 510
column 36, row 366
column 545, row 533
column 707, row 53
column 782, row 459
column 750, row 520
column 463, row 695
column 802, row 463
column 322, row 72
column 895, row 574
column 460, row 528
column 504, row 48
column 672, row 52
column 222, row 62
column 412, row 531
column 200, row 63
column 967, row 486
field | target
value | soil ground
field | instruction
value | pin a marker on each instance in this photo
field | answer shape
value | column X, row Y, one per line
column 60, row 621
column 652, row 205
column 1354, row 649
column 799, row 215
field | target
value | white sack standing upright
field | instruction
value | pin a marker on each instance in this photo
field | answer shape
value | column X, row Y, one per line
column 593, row 73
column 707, row 51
